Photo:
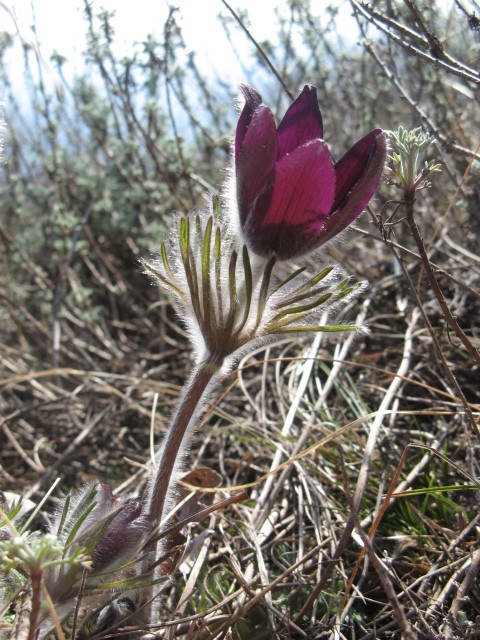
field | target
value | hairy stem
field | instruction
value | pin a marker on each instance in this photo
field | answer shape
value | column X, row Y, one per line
column 183, row 421
column 174, row 441
column 36, row 580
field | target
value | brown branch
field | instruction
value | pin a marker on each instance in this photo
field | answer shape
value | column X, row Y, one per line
column 409, row 207
column 435, row 45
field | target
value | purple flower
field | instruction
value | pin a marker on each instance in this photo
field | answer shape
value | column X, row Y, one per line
column 110, row 530
column 123, row 536
column 291, row 196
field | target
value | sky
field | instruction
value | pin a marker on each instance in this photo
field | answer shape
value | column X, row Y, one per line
column 60, row 26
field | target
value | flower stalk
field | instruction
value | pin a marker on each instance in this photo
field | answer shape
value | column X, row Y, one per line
column 432, row 278
column 182, row 423
column 408, row 170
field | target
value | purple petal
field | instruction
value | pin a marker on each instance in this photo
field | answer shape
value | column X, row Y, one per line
column 304, row 186
column 115, row 544
column 300, row 203
column 252, row 100
column 302, row 122
column 350, row 168
column 256, row 158
column 361, row 193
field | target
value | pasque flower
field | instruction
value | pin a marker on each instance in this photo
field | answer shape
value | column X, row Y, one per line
column 291, row 196
column 109, row 530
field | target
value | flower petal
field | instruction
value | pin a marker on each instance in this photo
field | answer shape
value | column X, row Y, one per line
column 350, row 168
column 116, row 543
column 304, row 186
column 362, row 192
column 302, row 122
column 256, row 158
column 252, row 100
column 301, row 200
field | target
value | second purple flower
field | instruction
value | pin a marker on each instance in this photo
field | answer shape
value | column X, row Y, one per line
column 291, row 196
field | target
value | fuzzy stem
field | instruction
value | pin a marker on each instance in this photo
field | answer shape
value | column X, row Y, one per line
column 174, row 440
column 183, row 421
column 36, row 580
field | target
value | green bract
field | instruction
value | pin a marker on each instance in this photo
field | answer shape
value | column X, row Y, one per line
column 230, row 297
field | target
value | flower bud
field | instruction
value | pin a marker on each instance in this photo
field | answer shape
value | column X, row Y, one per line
column 292, row 198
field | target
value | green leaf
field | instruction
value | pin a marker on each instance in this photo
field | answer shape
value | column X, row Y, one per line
column 305, row 308
column 134, row 583
column 290, row 278
column 166, row 282
column 198, row 233
column 216, row 207
column 80, row 512
column 315, row 280
column 13, row 511
column 184, row 239
column 189, row 266
column 232, row 291
column 232, row 279
column 263, row 295
column 192, row 278
column 325, row 329
column 206, row 288
column 81, row 519
column 343, row 284
column 343, row 294
column 305, row 291
column 66, row 507
column 166, row 264
column 247, row 273
column 218, row 272
column 434, row 490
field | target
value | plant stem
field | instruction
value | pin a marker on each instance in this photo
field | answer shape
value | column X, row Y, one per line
column 409, row 206
column 36, row 580
column 182, row 420
column 409, row 202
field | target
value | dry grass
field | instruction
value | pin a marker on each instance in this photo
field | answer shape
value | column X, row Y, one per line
column 314, row 432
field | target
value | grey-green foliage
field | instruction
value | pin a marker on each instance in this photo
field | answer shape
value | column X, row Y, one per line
column 95, row 167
